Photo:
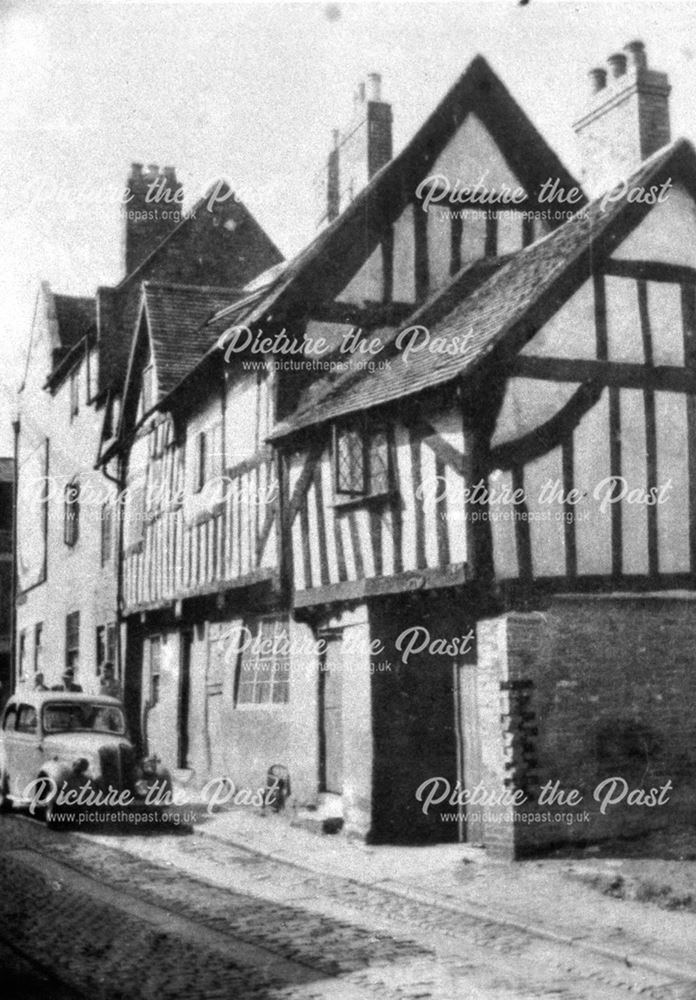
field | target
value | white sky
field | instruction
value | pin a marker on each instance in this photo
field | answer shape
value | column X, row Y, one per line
column 251, row 91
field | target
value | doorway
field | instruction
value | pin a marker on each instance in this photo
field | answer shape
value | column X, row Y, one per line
column 184, row 699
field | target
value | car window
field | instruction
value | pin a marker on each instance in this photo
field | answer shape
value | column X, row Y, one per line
column 10, row 719
column 26, row 719
column 67, row 717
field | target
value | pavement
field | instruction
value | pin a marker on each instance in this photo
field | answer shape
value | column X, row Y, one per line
column 550, row 898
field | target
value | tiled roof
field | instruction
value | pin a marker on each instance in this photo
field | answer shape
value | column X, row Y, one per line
column 240, row 250
column 177, row 316
column 482, row 320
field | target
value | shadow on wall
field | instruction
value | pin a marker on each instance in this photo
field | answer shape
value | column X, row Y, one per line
column 629, row 748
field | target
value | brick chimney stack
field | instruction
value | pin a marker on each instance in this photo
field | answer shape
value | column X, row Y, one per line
column 358, row 152
column 152, row 211
column 627, row 119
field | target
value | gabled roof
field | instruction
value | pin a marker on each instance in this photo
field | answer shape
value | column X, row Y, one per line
column 499, row 313
column 172, row 328
column 246, row 248
column 177, row 316
column 70, row 320
column 321, row 270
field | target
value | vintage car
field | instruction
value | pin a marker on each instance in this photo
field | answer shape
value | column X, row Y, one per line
column 65, row 751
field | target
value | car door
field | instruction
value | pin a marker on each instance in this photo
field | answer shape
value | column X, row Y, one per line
column 26, row 755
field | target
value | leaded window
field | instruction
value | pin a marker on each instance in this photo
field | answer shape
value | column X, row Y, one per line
column 362, row 462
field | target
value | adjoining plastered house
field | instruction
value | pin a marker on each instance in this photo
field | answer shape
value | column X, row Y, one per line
column 68, row 548
column 471, row 558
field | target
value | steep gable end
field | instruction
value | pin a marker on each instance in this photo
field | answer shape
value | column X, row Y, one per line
column 218, row 243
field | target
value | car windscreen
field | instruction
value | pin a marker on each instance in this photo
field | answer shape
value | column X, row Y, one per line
column 90, row 717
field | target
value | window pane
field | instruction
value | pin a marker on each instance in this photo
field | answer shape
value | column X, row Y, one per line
column 155, row 659
column 263, row 670
column 350, row 466
column 71, row 513
column 38, row 648
column 72, row 639
column 379, row 462
column 111, row 643
column 101, row 645
column 106, row 532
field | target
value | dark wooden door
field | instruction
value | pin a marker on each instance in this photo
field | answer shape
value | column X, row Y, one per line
column 331, row 717
column 184, row 698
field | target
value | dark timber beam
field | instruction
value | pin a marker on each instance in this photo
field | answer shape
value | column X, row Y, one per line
column 671, row 378
column 650, row 270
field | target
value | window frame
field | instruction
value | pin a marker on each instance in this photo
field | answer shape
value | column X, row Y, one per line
column 22, row 655
column 107, row 533
column 200, row 453
column 279, row 679
column 105, row 644
column 367, row 436
column 72, row 631
column 74, row 393
column 208, row 452
column 154, row 676
column 71, row 513
column 21, row 727
column 38, row 647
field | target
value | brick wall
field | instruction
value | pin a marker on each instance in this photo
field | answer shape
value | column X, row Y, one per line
column 596, row 689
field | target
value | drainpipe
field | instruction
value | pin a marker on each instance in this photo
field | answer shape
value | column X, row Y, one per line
column 13, row 616
column 118, row 480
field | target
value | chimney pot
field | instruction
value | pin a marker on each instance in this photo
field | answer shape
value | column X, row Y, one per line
column 598, row 79
column 335, row 134
column 624, row 125
column 637, row 56
column 374, row 87
column 136, row 169
column 617, row 64
column 152, row 169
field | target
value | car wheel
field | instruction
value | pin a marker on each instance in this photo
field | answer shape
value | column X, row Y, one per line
column 51, row 813
column 5, row 801
column 47, row 812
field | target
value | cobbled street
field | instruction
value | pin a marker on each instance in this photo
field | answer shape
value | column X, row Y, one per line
column 93, row 916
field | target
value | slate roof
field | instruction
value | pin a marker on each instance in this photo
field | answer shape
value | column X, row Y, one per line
column 490, row 315
column 177, row 318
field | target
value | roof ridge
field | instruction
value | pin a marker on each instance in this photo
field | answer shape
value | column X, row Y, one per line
column 188, row 287
column 74, row 298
